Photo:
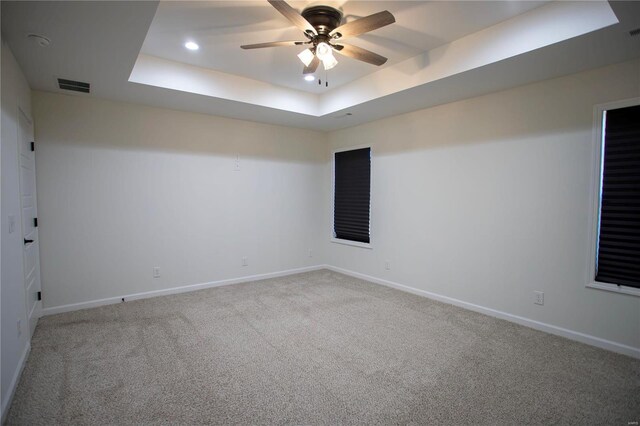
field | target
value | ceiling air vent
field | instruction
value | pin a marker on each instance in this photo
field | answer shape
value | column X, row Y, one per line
column 76, row 86
column 635, row 32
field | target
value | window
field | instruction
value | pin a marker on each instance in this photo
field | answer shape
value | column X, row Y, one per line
column 352, row 195
column 618, row 244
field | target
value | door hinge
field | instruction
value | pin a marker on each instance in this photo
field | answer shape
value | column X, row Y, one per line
column 39, row 295
column 35, row 222
column 33, row 146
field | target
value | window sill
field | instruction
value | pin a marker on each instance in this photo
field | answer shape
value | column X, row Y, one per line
column 615, row 288
column 352, row 243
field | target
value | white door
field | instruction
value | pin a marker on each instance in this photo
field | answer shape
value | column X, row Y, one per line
column 31, row 252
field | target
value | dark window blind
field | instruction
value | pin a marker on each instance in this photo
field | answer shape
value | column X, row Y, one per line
column 619, row 240
column 352, row 195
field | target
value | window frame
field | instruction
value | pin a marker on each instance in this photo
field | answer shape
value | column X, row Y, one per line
column 333, row 239
column 597, row 150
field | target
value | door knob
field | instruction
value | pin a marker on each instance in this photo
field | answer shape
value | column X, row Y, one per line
column 27, row 241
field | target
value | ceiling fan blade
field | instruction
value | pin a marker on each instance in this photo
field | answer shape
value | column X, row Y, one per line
column 273, row 44
column 360, row 54
column 292, row 15
column 363, row 25
column 312, row 67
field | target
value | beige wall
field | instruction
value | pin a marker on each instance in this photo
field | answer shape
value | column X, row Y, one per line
column 123, row 188
column 487, row 200
column 484, row 200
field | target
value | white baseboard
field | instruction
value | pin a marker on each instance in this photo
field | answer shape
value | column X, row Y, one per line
column 559, row 331
column 552, row 329
column 6, row 402
column 175, row 290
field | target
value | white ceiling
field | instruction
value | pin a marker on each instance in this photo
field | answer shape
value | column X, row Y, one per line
column 220, row 27
column 438, row 52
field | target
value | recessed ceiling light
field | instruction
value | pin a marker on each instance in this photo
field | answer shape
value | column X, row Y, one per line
column 309, row 77
column 191, row 45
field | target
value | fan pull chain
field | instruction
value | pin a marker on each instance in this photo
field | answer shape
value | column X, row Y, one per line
column 326, row 80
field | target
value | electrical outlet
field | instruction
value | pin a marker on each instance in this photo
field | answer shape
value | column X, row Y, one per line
column 310, row 253
column 387, row 265
column 245, row 262
column 12, row 224
column 156, row 272
column 19, row 327
column 539, row 298
column 236, row 164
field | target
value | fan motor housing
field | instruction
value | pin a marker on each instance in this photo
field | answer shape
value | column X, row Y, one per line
column 323, row 18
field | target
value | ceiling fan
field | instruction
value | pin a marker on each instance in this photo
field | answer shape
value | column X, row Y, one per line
column 321, row 26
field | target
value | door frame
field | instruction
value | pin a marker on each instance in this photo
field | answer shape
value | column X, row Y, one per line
column 35, row 312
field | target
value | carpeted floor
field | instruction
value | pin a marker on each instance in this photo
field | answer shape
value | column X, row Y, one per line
column 313, row 348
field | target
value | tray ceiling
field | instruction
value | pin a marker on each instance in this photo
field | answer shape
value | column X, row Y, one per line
column 438, row 52
column 220, row 27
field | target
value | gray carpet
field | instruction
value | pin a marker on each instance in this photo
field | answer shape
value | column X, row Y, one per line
column 313, row 348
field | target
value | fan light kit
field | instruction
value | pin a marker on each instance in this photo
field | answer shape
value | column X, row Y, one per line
column 321, row 26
